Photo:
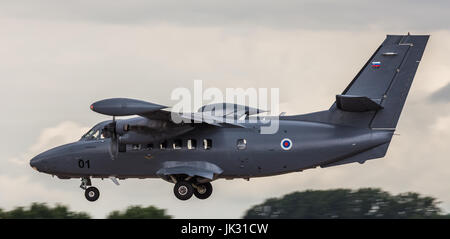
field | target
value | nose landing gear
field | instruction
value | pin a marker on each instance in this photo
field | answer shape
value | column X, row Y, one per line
column 91, row 193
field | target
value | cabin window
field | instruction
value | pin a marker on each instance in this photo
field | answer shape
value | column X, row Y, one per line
column 105, row 134
column 192, row 144
column 149, row 146
column 163, row 145
column 207, row 144
column 241, row 144
column 92, row 135
column 177, row 144
column 136, row 146
column 96, row 134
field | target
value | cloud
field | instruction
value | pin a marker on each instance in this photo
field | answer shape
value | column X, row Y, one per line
column 287, row 14
column 442, row 124
column 441, row 95
column 20, row 190
column 64, row 132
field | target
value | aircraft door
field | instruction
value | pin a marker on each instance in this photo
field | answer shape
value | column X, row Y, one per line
column 243, row 156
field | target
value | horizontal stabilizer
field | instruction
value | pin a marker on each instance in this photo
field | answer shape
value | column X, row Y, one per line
column 123, row 107
column 354, row 103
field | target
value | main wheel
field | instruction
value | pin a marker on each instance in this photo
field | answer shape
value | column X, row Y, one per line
column 203, row 190
column 183, row 190
column 92, row 194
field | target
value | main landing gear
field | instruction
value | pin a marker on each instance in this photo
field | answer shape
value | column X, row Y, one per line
column 203, row 190
column 184, row 190
column 91, row 193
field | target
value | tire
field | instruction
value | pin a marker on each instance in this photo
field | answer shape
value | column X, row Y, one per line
column 203, row 190
column 92, row 194
column 183, row 190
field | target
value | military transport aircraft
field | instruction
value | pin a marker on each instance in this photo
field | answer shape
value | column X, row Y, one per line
column 358, row 127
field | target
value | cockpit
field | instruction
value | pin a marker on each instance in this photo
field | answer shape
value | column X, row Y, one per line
column 96, row 133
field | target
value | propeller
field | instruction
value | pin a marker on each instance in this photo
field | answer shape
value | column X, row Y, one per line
column 121, row 107
column 111, row 132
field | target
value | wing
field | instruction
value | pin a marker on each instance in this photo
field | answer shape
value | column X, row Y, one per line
column 126, row 107
column 207, row 118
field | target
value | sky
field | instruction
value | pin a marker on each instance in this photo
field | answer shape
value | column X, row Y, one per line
column 56, row 58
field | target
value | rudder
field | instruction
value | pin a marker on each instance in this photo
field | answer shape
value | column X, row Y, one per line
column 395, row 96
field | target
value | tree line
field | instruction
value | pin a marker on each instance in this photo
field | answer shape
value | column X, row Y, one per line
column 364, row 203
column 43, row 211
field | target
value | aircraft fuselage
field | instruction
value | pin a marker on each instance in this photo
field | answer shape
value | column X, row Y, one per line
column 313, row 144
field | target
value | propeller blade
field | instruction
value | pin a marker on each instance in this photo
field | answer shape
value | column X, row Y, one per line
column 114, row 146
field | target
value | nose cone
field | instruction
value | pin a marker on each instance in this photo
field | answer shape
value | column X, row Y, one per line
column 50, row 160
column 37, row 163
column 42, row 162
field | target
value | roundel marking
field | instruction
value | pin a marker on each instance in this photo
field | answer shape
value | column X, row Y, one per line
column 286, row 144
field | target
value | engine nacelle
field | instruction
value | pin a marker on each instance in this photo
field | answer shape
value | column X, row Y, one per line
column 140, row 137
column 142, row 125
column 143, row 131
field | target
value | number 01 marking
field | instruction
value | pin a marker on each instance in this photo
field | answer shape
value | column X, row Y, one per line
column 83, row 164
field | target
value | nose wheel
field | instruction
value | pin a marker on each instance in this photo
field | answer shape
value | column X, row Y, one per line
column 91, row 193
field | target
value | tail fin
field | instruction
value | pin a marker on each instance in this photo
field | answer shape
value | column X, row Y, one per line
column 376, row 95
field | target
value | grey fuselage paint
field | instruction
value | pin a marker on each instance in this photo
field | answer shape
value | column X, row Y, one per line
column 313, row 144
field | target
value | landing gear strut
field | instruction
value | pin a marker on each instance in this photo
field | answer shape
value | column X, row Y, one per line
column 91, row 193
